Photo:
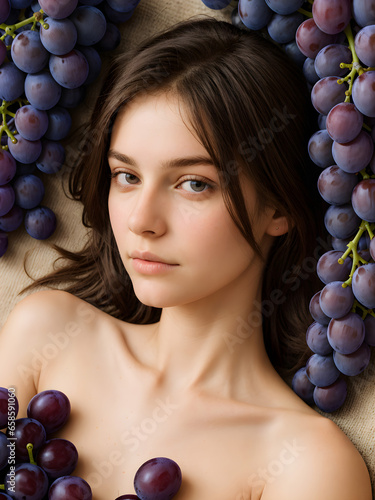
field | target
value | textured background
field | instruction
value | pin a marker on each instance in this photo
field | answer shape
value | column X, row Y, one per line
column 356, row 418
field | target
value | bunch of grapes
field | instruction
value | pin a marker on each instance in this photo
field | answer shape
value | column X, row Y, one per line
column 49, row 53
column 32, row 465
column 334, row 42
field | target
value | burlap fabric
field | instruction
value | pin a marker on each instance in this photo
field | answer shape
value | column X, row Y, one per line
column 356, row 418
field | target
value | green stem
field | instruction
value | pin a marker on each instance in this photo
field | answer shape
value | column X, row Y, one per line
column 305, row 12
column 352, row 249
column 30, row 447
column 2, row 487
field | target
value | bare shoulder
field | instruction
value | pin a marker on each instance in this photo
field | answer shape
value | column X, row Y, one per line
column 327, row 465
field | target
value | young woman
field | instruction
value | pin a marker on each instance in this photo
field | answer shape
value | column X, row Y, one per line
column 187, row 305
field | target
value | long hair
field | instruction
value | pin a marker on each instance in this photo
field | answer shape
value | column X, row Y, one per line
column 249, row 106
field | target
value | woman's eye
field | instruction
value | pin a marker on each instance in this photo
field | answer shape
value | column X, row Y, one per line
column 197, row 186
column 124, row 178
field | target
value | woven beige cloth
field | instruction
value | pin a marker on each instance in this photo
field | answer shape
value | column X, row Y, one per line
column 356, row 418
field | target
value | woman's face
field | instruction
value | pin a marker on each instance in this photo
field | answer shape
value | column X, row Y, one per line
column 165, row 198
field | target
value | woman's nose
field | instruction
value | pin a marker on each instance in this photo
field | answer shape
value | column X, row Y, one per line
column 148, row 214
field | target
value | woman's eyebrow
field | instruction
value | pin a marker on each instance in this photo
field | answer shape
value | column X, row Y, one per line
column 171, row 163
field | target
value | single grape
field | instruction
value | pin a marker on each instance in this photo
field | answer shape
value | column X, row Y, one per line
column 94, row 61
column 59, row 123
column 130, row 5
column 31, row 482
column 111, row 39
column 157, row 479
column 316, row 311
column 116, row 16
column 29, row 191
column 58, row 10
column 335, row 300
column 363, row 93
column 344, row 122
column 51, row 408
column 355, row 155
column 346, row 334
column 364, row 12
column 42, row 91
column 4, row 10
column 24, row 151
column 309, row 71
column 326, row 93
column 51, row 158
column 282, row 28
column 332, row 16
column 341, row 221
column 354, row 363
column 60, row 37
column 316, row 339
column 28, row 430
column 331, row 398
column 329, row 58
column 321, row 370
column 284, row 7
column 70, row 70
column 364, row 43
column 11, row 82
column 336, row 186
column 363, row 200
column 328, row 268
column 255, row 14
column 12, row 220
column 302, row 386
column 320, row 149
column 7, row 198
column 310, row 39
column 57, row 457
column 28, row 53
column 40, row 222
column 90, row 24
column 69, row 487
column 363, row 285
column 294, row 53
column 31, row 123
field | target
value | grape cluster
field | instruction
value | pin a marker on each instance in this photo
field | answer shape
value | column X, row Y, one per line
column 334, row 42
column 49, row 53
column 34, row 466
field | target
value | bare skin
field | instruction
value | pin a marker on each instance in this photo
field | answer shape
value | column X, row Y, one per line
column 197, row 386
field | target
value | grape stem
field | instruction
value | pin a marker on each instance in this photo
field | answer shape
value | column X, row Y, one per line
column 355, row 67
column 305, row 12
column 352, row 249
column 30, row 447
column 36, row 18
column 2, row 487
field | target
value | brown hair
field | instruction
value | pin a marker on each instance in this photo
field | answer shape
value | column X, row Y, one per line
column 249, row 106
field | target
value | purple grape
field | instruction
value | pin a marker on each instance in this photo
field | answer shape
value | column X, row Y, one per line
column 42, row 91
column 369, row 322
column 332, row 16
column 28, row 430
column 355, row 155
column 335, row 300
column 4, row 496
column 320, row 149
column 12, row 220
column 51, row 408
column 331, row 398
column 31, row 482
column 69, row 487
column 157, row 479
column 28, row 53
column 130, row 5
column 363, row 200
column 8, row 402
column 70, row 70
column 339, row 244
column 363, row 285
column 344, row 122
column 328, row 268
column 31, row 123
column 322, row 119
column 57, row 457
column 336, row 186
column 25, row 151
column 4, row 10
column 20, row 4
column 90, row 24
column 3, row 243
column 341, row 221
column 321, row 370
column 51, row 158
column 29, row 190
column 59, row 123
column 7, row 198
column 354, row 363
column 60, row 37
column 11, row 82
column 94, row 61
column 326, row 93
column 255, row 14
column 294, row 53
column 363, row 93
column 364, row 12
column 310, row 39
column 111, row 39
column 40, row 222
column 58, row 10
column 346, row 334
column 282, row 28
column 284, row 7
column 3, row 50
column 316, row 311
column 309, row 71
column 329, row 58
column 114, row 15
column 70, row 98
column 316, row 339
column 365, row 45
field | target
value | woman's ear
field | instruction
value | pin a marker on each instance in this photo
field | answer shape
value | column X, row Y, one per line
column 279, row 225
